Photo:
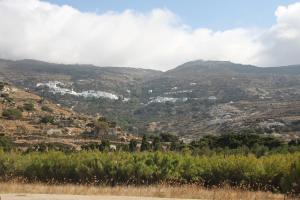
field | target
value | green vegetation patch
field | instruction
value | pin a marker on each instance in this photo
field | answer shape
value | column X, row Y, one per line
column 279, row 173
column 29, row 106
column 47, row 119
column 46, row 109
column 6, row 143
column 12, row 113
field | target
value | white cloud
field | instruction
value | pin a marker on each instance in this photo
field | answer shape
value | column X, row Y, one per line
column 158, row 39
column 282, row 41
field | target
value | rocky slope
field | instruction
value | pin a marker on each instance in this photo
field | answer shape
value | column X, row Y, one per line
column 31, row 120
column 196, row 98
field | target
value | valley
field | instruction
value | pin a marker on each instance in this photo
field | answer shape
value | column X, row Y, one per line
column 208, row 123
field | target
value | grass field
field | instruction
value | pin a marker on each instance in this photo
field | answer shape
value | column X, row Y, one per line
column 162, row 191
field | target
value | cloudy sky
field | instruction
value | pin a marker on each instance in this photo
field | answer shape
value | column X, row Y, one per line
column 156, row 34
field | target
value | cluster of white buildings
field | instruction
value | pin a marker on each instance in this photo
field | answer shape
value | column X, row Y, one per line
column 56, row 87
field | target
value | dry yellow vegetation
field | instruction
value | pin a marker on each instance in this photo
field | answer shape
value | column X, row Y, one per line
column 162, row 191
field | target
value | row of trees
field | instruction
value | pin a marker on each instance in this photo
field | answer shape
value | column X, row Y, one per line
column 227, row 144
column 151, row 143
column 231, row 143
column 243, row 143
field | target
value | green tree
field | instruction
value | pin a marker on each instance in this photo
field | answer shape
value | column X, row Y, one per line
column 168, row 137
column 145, row 146
column 272, row 142
column 104, row 146
column 132, row 145
column 156, row 144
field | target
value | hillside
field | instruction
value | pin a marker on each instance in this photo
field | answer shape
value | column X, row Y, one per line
column 196, row 98
column 214, row 96
column 31, row 121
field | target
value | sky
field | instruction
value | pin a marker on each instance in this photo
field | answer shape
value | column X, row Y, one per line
column 214, row 14
column 156, row 34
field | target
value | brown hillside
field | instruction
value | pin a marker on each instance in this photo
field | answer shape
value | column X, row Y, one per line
column 45, row 122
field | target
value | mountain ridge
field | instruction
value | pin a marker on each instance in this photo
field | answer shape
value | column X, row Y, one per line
column 192, row 62
column 196, row 98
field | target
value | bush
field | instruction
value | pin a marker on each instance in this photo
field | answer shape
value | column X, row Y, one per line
column 90, row 146
column 12, row 114
column 47, row 119
column 291, row 181
column 5, row 143
column 47, row 109
column 28, row 106
column 105, row 145
column 168, row 137
column 276, row 172
column 156, row 144
column 145, row 146
column 254, row 142
column 132, row 145
column 45, row 147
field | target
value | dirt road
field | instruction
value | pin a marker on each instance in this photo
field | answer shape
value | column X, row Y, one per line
column 72, row 197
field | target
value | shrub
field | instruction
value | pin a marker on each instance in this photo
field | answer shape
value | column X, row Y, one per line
column 132, row 145
column 29, row 106
column 12, row 114
column 278, row 172
column 5, row 143
column 156, row 144
column 238, row 140
column 46, row 109
column 45, row 147
column 90, row 146
column 145, row 146
column 168, row 137
column 291, row 181
column 104, row 146
column 47, row 119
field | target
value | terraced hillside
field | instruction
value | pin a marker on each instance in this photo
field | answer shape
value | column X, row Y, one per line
column 32, row 121
column 196, row 98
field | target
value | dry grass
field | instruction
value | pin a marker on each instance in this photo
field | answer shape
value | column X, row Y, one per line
column 186, row 191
